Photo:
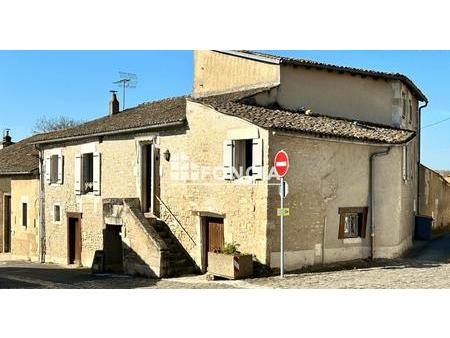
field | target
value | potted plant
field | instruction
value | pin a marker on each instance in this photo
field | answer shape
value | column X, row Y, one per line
column 230, row 263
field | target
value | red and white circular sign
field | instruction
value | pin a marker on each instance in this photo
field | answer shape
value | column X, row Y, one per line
column 281, row 163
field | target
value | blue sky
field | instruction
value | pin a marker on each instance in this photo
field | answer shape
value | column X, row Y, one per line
column 77, row 83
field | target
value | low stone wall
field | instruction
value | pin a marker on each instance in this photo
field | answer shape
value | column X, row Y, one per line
column 144, row 252
column 434, row 197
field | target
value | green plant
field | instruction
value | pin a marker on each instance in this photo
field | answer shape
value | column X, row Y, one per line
column 231, row 248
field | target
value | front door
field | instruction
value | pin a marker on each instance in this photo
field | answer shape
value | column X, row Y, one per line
column 214, row 240
column 74, row 240
column 7, row 223
column 147, row 175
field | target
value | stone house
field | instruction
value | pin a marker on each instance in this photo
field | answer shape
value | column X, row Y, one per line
column 158, row 186
column 19, row 199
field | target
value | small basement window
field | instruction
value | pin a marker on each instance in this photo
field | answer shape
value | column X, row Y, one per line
column 57, row 213
column 353, row 222
column 24, row 214
column 88, row 172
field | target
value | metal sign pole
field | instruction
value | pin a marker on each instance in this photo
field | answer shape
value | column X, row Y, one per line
column 282, row 230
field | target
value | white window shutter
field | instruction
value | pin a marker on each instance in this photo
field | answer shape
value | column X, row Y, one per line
column 228, row 159
column 47, row 170
column 60, row 169
column 257, row 160
column 77, row 174
column 97, row 173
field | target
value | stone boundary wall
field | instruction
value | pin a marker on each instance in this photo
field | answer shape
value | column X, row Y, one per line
column 434, row 197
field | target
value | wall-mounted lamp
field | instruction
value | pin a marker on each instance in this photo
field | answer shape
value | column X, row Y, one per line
column 167, row 155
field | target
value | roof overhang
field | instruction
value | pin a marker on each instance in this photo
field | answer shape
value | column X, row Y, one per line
column 115, row 132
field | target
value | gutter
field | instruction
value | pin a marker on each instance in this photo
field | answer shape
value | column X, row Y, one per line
column 419, row 138
column 338, row 139
column 16, row 173
column 371, row 213
column 249, row 56
column 115, row 132
column 42, row 240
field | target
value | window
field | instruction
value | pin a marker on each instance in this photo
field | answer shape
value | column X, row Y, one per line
column 24, row 214
column 242, row 158
column 352, row 222
column 404, row 107
column 410, row 112
column 54, row 169
column 57, row 213
column 87, row 174
column 87, row 166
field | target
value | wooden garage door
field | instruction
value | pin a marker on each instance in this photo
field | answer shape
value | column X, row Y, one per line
column 215, row 234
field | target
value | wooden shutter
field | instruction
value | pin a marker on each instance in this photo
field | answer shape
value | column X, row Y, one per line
column 96, row 163
column 77, row 174
column 257, row 160
column 47, row 169
column 228, row 160
column 363, row 228
column 60, row 169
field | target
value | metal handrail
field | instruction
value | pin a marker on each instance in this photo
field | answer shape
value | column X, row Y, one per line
column 176, row 219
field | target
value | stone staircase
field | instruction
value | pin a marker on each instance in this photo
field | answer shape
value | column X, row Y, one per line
column 179, row 261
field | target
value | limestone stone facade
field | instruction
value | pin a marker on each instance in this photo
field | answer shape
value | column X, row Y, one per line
column 188, row 175
column 25, row 224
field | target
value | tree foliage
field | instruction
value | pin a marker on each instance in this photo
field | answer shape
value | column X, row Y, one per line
column 47, row 124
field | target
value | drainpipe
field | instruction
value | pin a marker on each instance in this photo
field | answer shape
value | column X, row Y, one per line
column 418, row 156
column 41, row 207
column 371, row 214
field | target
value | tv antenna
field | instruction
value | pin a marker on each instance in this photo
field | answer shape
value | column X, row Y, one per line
column 127, row 80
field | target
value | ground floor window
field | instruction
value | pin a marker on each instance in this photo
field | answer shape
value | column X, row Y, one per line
column 24, row 214
column 56, row 213
column 352, row 222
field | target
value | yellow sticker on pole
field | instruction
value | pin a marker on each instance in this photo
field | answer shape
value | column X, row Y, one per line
column 282, row 211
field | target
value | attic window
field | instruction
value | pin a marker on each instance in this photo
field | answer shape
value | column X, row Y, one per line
column 404, row 106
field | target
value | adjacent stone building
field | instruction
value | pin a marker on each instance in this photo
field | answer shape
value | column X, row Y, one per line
column 19, row 195
column 158, row 186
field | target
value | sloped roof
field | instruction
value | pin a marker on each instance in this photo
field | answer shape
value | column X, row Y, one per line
column 238, row 105
column 146, row 115
column 343, row 69
column 19, row 158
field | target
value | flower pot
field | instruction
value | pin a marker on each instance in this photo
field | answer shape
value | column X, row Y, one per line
column 235, row 266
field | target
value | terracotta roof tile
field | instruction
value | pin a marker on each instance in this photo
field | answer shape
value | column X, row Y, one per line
column 327, row 66
column 19, row 158
column 148, row 114
column 312, row 124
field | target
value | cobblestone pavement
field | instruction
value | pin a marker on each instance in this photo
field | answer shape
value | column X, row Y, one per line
column 425, row 267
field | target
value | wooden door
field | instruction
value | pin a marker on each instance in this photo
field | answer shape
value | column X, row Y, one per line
column 215, row 234
column 74, row 239
column 7, row 228
column 214, row 238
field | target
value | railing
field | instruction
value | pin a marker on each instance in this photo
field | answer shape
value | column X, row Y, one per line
column 176, row 219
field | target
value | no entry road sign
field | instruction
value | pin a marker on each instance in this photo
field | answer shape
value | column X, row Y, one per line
column 281, row 163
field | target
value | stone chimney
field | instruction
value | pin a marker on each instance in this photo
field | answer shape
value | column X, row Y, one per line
column 6, row 139
column 113, row 104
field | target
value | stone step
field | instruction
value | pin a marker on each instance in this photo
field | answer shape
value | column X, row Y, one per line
column 179, row 263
